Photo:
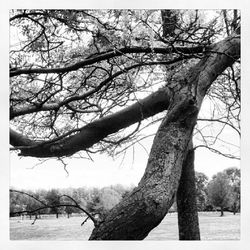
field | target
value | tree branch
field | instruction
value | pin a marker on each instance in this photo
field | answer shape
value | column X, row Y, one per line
column 55, row 106
column 94, row 131
column 108, row 55
column 220, row 121
column 217, row 152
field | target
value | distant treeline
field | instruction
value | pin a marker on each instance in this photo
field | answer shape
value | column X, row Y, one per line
column 222, row 192
column 96, row 201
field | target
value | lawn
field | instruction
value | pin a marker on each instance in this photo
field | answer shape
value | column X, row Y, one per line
column 212, row 227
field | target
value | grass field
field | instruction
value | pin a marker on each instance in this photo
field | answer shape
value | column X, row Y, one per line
column 212, row 227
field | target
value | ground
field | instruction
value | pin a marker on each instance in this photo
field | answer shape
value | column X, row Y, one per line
column 212, row 227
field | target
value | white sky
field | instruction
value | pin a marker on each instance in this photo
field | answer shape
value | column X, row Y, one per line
column 102, row 172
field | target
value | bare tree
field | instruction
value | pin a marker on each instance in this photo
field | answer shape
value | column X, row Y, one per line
column 75, row 80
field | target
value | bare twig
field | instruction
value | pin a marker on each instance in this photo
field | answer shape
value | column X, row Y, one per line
column 217, row 152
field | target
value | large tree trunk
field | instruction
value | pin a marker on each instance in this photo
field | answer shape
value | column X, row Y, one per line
column 137, row 214
column 147, row 205
column 188, row 220
column 186, row 204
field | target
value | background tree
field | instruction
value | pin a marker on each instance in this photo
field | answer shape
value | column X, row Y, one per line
column 32, row 204
column 79, row 195
column 201, row 181
column 17, row 203
column 98, row 201
column 94, row 205
column 234, row 180
column 53, row 199
column 73, row 72
column 219, row 191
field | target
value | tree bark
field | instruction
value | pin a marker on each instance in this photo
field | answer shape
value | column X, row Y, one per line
column 147, row 205
column 188, row 221
column 186, row 200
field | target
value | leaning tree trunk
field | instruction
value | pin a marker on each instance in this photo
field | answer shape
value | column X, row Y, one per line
column 188, row 221
column 137, row 214
column 147, row 205
column 186, row 203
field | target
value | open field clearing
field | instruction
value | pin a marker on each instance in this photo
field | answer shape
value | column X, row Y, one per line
column 212, row 226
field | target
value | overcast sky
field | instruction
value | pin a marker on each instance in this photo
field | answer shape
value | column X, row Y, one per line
column 102, row 172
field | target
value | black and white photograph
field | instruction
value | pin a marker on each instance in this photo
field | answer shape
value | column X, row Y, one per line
column 124, row 124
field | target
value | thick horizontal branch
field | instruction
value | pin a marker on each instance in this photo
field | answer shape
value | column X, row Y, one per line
column 17, row 139
column 94, row 131
column 108, row 55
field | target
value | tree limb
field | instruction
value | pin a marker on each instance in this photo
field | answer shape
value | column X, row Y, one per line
column 54, row 106
column 94, row 131
column 108, row 55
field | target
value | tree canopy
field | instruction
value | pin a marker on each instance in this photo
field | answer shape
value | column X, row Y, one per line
column 219, row 191
column 71, row 71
